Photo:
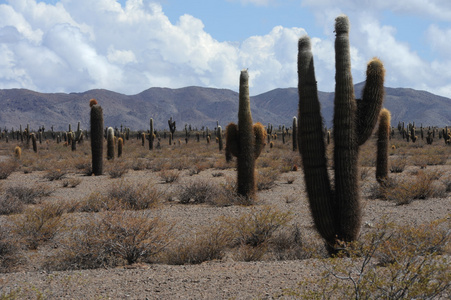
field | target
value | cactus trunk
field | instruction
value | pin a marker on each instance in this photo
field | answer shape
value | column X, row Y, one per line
column 383, row 136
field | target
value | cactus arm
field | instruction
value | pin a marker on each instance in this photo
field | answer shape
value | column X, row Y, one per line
column 260, row 136
column 382, row 146
column 311, row 145
column 373, row 96
column 345, row 140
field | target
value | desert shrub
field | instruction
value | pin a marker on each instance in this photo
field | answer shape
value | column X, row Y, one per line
column 71, row 182
column 39, row 224
column 266, row 178
column 392, row 262
column 364, row 173
column 27, row 194
column 10, row 205
column 398, row 164
column 55, row 174
column 209, row 244
column 198, row 192
column 289, row 244
column 7, row 167
column 95, row 202
column 111, row 239
column 117, row 169
column 252, row 232
column 9, row 250
column 135, row 196
column 169, row 176
column 421, row 186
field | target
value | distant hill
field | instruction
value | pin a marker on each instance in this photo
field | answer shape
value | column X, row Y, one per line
column 197, row 106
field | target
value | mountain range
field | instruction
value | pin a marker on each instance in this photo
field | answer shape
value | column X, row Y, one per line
column 197, row 106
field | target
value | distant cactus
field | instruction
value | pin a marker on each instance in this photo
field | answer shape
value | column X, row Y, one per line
column 151, row 135
column 245, row 141
column 143, row 138
column 96, row 118
column 219, row 134
column 172, row 129
column 110, row 143
column 33, row 140
column 336, row 212
column 383, row 136
column 294, row 135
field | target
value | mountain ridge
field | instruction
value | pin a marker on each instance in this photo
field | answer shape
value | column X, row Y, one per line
column 197, row 106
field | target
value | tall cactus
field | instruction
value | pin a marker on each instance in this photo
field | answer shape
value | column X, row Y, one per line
column 96, row 137
column 219, row 134
column 383, row 136
column 245, row 141
column 336, row 212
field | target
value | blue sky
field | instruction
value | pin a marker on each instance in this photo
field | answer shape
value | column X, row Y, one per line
column 130, row 45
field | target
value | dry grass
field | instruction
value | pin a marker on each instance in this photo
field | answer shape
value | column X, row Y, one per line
column 7, row 167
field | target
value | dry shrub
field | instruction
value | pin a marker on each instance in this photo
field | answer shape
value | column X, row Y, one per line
column 71, row 182
column 122, row 195
column 266, row 178
column 95, row 202
column 422, row 185
column 7, row 167
column 209, row 244
column 29, row 195
column 9, row 250
column 111, row 239
column 169, row 176
column 135, row 196
column 398, row 164
column 202, row 191
column 391, row 262
column 39, row 224
column 117, row 169
column 253, row 232
column 288, row 244
column 55, row 174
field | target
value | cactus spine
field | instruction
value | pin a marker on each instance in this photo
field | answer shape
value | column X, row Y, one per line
column 96, row 137
column 383, row 137
column 245, row 141
column 336, row 213
column 110, row 143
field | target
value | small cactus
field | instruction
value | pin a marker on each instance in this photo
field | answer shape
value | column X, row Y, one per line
column 383, row 136
column 110, row 143
column 151, row 135
column 33, row 140
column 17, row 152
column 120, row 144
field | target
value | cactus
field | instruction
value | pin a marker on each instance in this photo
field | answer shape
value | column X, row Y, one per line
column 110, row 143
column 120, row 144
column 295, row 135
column 151, row 136
column 382, row 146
column 172, row 128
column 336, row 213
column 33, row 139
column 17, row 152
column 96, row 118
column 245, row 141
column 219, row 134
column 143, row 138
column 74, row 142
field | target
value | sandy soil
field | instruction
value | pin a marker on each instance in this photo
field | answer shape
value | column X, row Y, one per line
column 225, row 279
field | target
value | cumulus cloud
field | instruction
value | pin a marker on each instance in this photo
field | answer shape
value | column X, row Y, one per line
column 67, row 47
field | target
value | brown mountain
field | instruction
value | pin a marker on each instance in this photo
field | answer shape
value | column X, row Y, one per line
column 196, row 106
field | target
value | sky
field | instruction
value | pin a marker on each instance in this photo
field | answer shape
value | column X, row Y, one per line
column 128, row 46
